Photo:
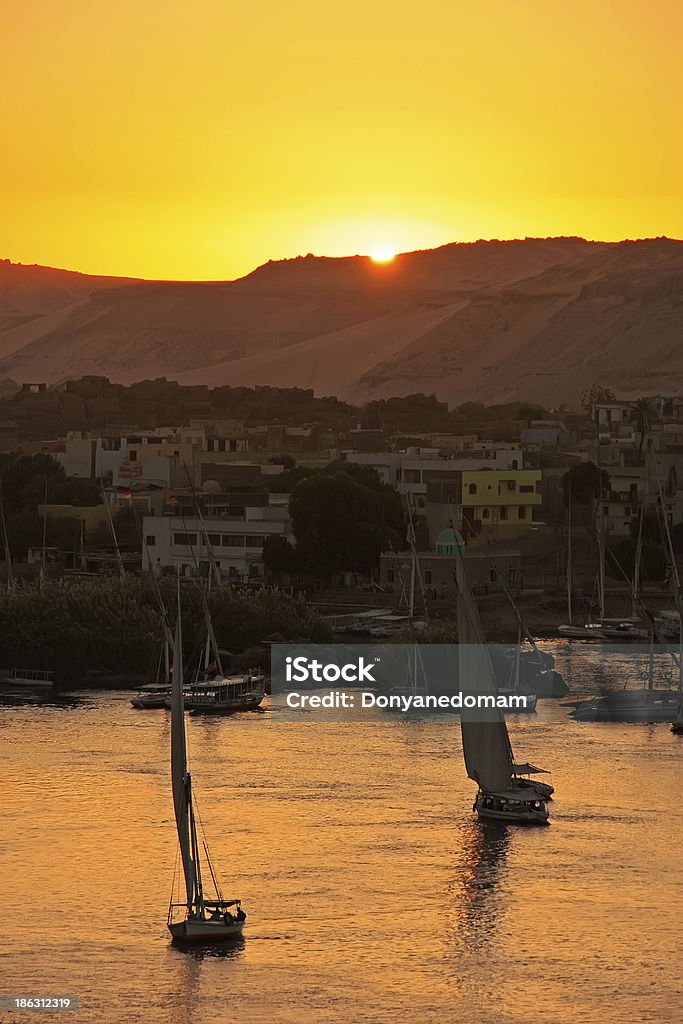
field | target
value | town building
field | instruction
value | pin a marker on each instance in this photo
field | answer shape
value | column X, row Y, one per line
column 230, row 533
column 488, row 571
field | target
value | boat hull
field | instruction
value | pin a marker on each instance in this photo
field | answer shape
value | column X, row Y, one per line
column 226, row 708
column 603, row 710
column 196, row 932
column 527, row 818
column 143, row 704
column 514, row 809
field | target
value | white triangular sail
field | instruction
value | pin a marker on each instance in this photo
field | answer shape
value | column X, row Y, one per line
column 485, row 740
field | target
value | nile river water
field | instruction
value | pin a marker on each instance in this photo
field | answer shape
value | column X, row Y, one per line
column 372, row 893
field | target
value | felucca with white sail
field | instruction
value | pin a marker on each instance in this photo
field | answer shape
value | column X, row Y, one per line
column 501, row 796
column 196, row 918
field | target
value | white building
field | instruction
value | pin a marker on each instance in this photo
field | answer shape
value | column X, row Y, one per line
column 231, row 532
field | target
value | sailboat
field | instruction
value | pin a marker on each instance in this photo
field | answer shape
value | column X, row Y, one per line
column 620, row 629
column 156, row 694
column 485, row 741
column 513, row 689
column 195, row 919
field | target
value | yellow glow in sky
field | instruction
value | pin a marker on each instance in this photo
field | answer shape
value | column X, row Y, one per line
column 166, row 139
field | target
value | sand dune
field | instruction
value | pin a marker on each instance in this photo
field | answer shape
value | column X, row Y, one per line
column 490, row 321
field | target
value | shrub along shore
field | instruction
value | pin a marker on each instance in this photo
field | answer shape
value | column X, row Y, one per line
column 111, row 629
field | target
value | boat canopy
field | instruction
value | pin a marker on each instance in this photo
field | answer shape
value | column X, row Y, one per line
column 519, row 796
column 528, row 769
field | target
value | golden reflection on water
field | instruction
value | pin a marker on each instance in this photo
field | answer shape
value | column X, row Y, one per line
column 372, row 894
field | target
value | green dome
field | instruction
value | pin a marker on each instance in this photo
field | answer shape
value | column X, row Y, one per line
column 449, row 541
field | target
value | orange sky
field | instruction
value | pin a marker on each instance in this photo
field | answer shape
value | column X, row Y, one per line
column 197, row 140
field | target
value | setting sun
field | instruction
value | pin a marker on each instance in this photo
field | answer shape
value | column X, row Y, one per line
column 383, row 254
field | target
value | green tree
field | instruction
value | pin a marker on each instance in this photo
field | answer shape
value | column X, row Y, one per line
column 651, row 528
column 641, row 417
column 279, row 556
column 622, row 556
column 23, row 480
column 344, row 519
column 594, row 394
column 584, row 482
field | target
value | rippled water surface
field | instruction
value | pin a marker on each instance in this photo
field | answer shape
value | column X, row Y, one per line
column 372, row 893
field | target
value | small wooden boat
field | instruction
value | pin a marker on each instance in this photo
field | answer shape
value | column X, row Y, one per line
column 226, row 695
column 156, row 694
column 515, row 806
column 153, row 695
column 28, row 678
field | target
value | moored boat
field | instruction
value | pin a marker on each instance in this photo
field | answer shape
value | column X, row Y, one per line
column 152, row 695
column 28, row 678
column 226, row 694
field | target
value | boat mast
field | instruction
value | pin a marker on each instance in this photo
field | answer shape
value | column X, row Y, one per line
column 636, row 568
column 41, row 576
column 518, row 655
column 569, row 550
column 180, row 778
column 5, row 540
column 415, row 568
column 601, row 553
column 678, row 597
column 119, row 559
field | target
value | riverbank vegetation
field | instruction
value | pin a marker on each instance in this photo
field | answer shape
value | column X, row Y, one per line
column 113, row 626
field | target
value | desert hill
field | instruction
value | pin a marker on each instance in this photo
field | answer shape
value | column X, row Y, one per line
column 538, row 319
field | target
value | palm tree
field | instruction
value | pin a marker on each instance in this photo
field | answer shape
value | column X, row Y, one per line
column 641, row 415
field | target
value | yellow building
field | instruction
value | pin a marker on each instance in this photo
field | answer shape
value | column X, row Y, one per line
column 500, row 497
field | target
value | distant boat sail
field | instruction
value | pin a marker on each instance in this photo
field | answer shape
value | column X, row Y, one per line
column 485, row 740
column 202, row 920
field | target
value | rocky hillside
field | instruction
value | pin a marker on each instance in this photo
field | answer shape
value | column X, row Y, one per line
column 538, row 319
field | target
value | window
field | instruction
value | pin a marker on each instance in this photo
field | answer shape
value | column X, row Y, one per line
column 255, row 540
column 232, row 540
column 485, row 513
column 493, row 574
column 184, row 539
column 150, row 540
column 512, row 576
column 390, row 575
column 526, row 488
column 133, row 455
column 515, row 464
column 503, row 512
column 521, row 512
column 214, row 539
column 472, row 489
column 428, row 575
